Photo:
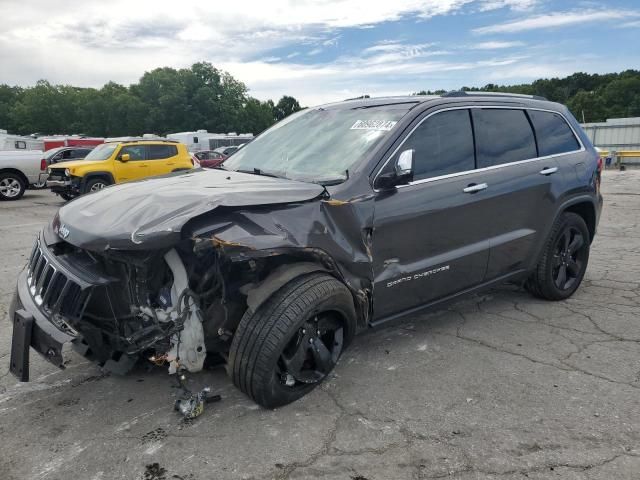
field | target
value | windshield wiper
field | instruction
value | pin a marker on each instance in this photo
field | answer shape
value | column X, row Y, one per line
column 333, row 181
column 257, row 171
column 330, row 182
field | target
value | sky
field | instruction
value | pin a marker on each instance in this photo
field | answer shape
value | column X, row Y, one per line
column 319, row 51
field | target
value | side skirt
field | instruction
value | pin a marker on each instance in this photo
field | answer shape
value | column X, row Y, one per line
column 449, row 299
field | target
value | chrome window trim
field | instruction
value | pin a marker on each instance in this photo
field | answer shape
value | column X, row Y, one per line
column 476, row 170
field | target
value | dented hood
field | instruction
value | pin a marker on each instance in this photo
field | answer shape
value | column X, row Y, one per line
column 151, row 213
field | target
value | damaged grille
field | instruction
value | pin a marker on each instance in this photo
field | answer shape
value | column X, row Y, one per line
column 53, row 290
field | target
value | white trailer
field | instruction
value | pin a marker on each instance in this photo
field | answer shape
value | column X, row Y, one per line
column 203, row 140
column 9, row 141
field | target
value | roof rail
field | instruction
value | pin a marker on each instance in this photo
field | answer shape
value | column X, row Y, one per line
column 138, row 139
column 361, row 97
column 463, row 93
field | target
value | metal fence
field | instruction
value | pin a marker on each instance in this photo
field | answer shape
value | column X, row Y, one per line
column 617, row 134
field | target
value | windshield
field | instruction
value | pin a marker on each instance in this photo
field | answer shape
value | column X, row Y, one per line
column 317, row 145
column 101, row 152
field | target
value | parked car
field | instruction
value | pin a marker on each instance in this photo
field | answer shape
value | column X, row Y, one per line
column 18, row 170
column 226, row 151
column 210, row 158
column 60, row 154
column 117, row 162
column 63, row 154
column 335, row 220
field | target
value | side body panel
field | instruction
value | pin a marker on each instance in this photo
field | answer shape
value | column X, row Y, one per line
column 430, row 240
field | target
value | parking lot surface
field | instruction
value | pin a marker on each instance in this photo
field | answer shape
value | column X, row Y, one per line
column 500, row 385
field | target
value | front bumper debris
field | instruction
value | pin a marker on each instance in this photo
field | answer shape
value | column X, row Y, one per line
column 58, row 183
column 32, row 329
column 47, row 294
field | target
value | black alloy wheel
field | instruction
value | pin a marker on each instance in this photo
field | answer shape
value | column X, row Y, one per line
column 563, row 261
column 293, row 340
column 312, row 352
column 569, row 258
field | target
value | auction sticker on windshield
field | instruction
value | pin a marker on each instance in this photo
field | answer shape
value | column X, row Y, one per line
column 373, row 125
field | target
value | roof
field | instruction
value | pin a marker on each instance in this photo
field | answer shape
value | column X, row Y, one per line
column 410, row 101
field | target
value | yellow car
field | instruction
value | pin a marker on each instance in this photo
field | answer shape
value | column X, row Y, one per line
column 117, row 162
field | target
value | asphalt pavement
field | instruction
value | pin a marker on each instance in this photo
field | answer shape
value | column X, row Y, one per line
column 498, row 386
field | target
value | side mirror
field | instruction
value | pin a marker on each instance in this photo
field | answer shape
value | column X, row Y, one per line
column 401, row 174
column 404, row 165
column 125, row 157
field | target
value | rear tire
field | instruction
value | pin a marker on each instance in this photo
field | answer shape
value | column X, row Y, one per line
column 292, row 342
column 12, row 186
column 564, row 260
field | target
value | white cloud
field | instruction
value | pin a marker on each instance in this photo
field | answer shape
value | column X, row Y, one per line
column 513, row 4
column 557, row 19
column 495, row 45
column 90, row 42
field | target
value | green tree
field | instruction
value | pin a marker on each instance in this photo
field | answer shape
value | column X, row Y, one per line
column 285, row 107
column 9, row 96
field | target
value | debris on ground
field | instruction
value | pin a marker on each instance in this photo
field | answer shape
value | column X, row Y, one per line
column 191, row 405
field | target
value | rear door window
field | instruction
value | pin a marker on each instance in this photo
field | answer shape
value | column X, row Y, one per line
column 502, row 136
column 553, row 134
column 80, row 153
column 442, row 144
column 158, row 152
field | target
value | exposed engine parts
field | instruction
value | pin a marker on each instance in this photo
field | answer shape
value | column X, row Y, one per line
column 188, row 348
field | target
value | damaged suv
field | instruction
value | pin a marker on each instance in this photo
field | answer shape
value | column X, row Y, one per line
column 338, row 218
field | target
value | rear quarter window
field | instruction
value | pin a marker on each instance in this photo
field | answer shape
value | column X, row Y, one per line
column 502, row 136
column 553, row 133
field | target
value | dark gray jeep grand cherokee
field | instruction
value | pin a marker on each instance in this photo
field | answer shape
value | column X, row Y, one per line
column 336, row 219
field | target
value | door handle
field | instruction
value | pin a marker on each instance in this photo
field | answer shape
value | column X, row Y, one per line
column 475, row 187
column 548, row 171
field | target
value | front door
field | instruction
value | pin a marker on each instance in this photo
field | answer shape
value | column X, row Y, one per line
column 431, row 237
column 137, row 166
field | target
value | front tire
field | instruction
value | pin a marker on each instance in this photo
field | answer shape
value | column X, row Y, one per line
column 66, row 196
column 564, row 259
column 293, row 341
column 95, row 184
column 12, row 186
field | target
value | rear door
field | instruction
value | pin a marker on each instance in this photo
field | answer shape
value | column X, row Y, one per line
column 162, row 159
column 431, row 238
column 522, row 187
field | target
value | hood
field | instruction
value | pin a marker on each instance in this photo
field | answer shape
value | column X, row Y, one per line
column 71, row 164
column 150, row 214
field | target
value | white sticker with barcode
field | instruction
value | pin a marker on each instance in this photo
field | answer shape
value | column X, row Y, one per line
column 384, row 125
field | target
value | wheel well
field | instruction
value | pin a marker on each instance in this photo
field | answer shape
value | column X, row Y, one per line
column 289, row 269
column 22, row 176
column 588, row 214
column 98, row 176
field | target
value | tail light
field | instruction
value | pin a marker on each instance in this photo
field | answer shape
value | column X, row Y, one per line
column 43, row 164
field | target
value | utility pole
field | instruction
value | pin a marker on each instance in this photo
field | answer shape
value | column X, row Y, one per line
column 583, row 116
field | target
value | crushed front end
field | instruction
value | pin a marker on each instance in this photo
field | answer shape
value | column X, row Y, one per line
column 115, row 306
